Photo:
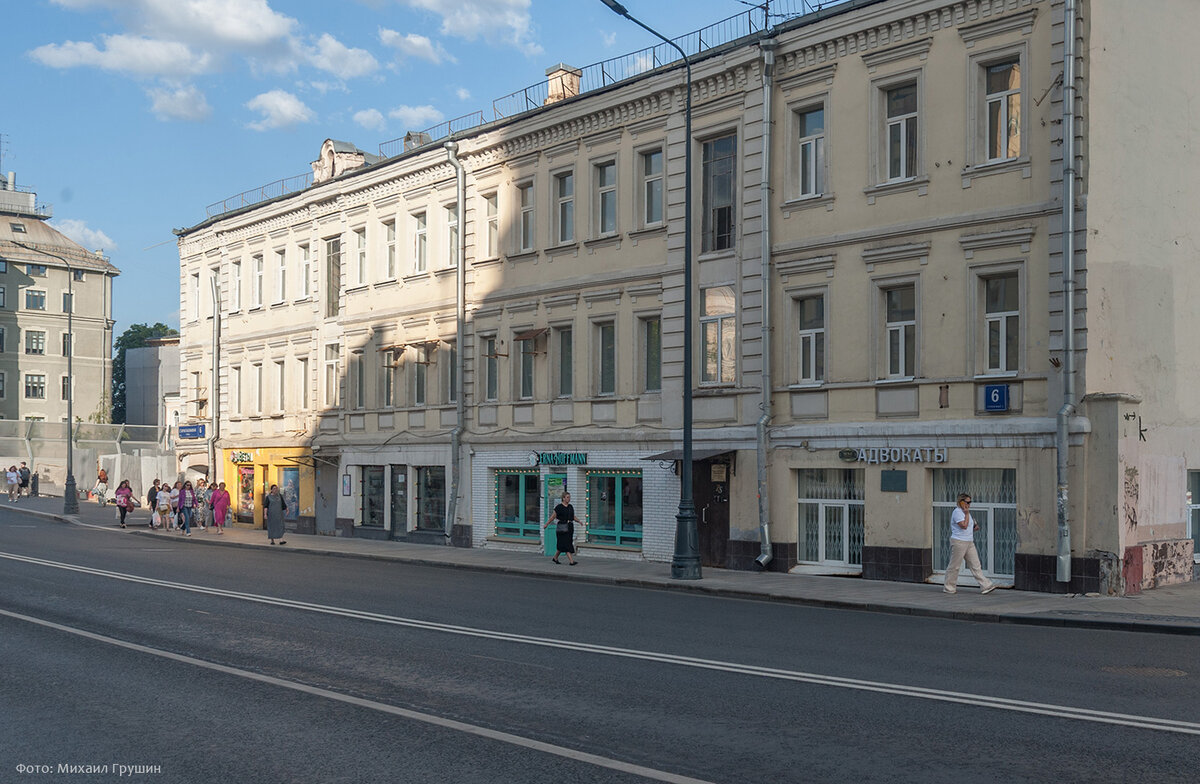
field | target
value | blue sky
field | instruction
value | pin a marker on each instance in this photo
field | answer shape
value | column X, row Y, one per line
column 131, row 116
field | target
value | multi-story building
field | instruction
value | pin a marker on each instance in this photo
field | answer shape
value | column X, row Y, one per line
column 44, row 276
column 884, row 196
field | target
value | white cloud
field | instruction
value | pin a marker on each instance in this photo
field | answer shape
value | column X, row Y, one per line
column 279, row 109
column 609, row 38
column 463, row 94
column 77, row 230
column 236, row 24
column 413, row 45
column 128, row 54
column 371, row 119
column 498, row 21
column 416, row 118
column 340, row 60
column 181, row 103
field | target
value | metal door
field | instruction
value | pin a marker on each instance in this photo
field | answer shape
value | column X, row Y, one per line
column 710, row 488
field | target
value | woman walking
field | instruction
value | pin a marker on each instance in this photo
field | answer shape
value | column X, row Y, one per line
column 14, row 483
column 220, row 506
column 203, row 512
column 152, row 501
column 187, row 507
column 162, row 504
column 274, row 506
column 123, row 498
column 564, row 513
column 101, row 488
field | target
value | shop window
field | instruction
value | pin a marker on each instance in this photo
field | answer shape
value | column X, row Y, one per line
column 518, row 510
column 431, row 498
column 993, row 494
column 614, row 508
column 372, row 509
column 832, row 515
column 1193, row 515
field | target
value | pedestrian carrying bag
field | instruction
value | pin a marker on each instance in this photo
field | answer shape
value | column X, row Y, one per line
column 563, row 528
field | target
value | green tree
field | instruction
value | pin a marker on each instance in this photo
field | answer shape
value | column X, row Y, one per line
column 134, row 337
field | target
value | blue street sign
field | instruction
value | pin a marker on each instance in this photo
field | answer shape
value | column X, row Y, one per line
column 995, row 397
column 191, row 431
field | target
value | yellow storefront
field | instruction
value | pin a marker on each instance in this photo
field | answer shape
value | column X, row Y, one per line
column 249, row 473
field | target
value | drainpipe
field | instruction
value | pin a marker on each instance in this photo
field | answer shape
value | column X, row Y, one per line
column 764, row 532
column 214, row 388
column 1061, row 442
column 460, row 306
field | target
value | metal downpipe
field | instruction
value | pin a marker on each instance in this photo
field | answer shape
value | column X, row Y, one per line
column 761, row 437
column 460, row 318
column 1062, row 434
column 214, row 388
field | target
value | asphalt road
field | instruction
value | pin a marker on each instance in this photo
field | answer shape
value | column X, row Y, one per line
column 210, row 664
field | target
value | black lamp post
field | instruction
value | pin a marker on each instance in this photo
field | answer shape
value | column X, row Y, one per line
column 686, row 563
column 70, row 494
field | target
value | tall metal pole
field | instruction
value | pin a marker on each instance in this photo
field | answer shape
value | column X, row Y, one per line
column 70, row 494
column 686, row 563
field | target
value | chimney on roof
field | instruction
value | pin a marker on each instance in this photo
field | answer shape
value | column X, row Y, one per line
column 562, row 82
column 12, row 181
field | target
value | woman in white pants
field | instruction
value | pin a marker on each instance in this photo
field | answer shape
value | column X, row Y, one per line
column 962, row 547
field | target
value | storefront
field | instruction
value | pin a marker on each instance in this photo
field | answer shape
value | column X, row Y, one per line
column 400, row 493
column 249, row 473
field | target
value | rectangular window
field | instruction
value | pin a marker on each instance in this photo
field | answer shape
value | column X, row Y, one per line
column 811, row 311
column 389, row 229
column 280, row 386
column 66, row 387
column 491, row 369
column 199, row 395
column 564, row 213
column 526, row 355
column 257, row 378
column 373, row 512
column 35, row 386
column 614, row 508
column 193, row 296
column 901, row 314
column 719, row 159
column 491, row 209
column 66, row 344
column 280, row 277
column 652, row 187
column 67, row 301
column 901, row 105
column 527, row 222
column 256, row 283
column 1002, row 314
column 1003, row 103
column 518, row 504
column 388, row 372
column 235, row 390
column 302, row 372
column 235, row 273
column 563, row 340
column 993, row 494
column 35, row 299
column 421, row 373
column 718, row 330
column 832, row 515
column 652, row 354
column 606, row 198
column 451, row 374
column 35, row 270
column 430, row 514
column 360, row 268
column 35, row 342
column 452, row 235
column 2, row 336
column 358, row 386
column 333, row 276
column 2, row 386
column 333, row 371
column 811, row 124
column 606, row 359
column 305, row 272
column 3, row 298
column 77, row 275
column 420, row 243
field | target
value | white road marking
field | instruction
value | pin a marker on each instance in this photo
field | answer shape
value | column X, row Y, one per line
column 939, row 695
column 426, row 718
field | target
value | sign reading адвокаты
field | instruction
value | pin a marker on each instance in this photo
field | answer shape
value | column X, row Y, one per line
column 894, row 454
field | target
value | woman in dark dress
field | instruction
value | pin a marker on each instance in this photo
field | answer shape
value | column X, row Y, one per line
column 564, row 514
column 275, row 506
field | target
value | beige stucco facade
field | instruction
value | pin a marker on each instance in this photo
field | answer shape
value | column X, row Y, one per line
column 912, row 220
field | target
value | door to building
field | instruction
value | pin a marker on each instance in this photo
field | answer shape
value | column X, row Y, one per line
column 832, row 516
column 399, row 506
column 371, row 513
column 710, row 489
column 993, row 494
column 245, row 494
column 555, row 485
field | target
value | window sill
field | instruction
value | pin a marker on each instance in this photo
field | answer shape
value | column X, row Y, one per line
column 805, row 386
column 988, row 168
column 648, row 231
column 416, row 277
column 302, row 300
column 716, row 255
column 356, row 288
column 278, row 305
column 895, row 381
column 807, row 203
column 715, row 390
column 524, row 255
column 919, row 184
column 488, row 262
column 387, row 283
column 255, row 309
column 603, row 242
column 445, row 272
column 1012, row 374
column 563, row 249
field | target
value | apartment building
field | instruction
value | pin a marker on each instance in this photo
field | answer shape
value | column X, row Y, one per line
column 433, row 345
column 55, row 301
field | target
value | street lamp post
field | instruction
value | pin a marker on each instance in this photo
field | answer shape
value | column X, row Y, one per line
column 686, row 563
column 70, row 494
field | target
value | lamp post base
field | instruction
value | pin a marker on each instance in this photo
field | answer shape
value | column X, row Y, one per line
column 686, row 563
column 70, row 496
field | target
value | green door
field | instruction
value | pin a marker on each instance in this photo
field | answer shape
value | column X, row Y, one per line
column 555, row 484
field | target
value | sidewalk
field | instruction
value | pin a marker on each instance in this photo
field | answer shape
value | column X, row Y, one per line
column 1174, row 609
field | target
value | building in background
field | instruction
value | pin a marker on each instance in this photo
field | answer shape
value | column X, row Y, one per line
column 880, row 324
column 152, row 383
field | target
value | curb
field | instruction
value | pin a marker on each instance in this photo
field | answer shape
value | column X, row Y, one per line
column 1053, row 621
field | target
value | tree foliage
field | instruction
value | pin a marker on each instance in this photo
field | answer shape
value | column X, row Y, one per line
column 134, row 337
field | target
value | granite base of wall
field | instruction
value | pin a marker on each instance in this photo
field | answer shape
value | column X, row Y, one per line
column 897, row 564
column 1035, row 572
column 304, row 525
column 741, row 555
column 344, row 526
column 371, row 532
column 460, row 536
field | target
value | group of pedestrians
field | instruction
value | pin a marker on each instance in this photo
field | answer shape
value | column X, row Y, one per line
column 180, row 506
column 18, row 482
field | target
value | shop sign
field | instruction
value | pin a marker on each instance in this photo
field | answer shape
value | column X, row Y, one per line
column 884, row 454
column 240, row 457
column 561, row 458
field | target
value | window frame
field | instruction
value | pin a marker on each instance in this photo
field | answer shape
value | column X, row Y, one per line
column 980, row 317
column 305, row 270
column 722, row 320
column 645, row 182
column 32, row 344
column 491, row 367
column 332, row 384
column 605, row 357
column 40, row 294
column 562, row 341
column 420, row 249
column 452, row 229
column 360, row 254
column 30, row 379
column 605, row 197
column 527, row 216
column 880, row 152
column 389, row 256
column 710, row 239
column 491, row 213
column 807, row 371
column 883, row 342
column 256, row 280
column 979, row 152
column 649, row 383
column 333, row 275
column 564, row 206
column 280, row 276
column 819, row 174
